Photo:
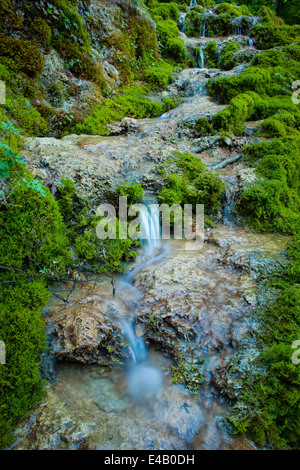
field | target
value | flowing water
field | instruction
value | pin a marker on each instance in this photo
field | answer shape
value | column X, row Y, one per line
column 195, row 303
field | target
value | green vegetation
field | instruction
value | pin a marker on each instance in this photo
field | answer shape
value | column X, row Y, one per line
column 193, row 23
column 130, row 102
column 33, row 242
column 21, row 55
column 232, row 10
column 165, row 11
column 268, row 410
column 188, row 375
column 40, row 241
column 188, row 182
column 227, row 59
column 285, row 9
column 47, row 231
column 268, row 36
column 22, row 330
column 273, row 202
column 211, row 54
column 263, row 91
column 133, row 191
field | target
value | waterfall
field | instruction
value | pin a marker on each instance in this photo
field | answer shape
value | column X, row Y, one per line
column 203, row 29
column 201, row 64
column 143, row 380
column 201, row 61
column 181, row 23
column 193, row 3
column 250, row 43
column 137, row 347
column 150, row 229
column 237, row 26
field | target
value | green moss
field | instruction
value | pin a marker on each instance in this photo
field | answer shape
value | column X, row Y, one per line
column 5, row 6
column 188, row 182
column 5, row 73
column 65, row 202
column 21, row 55
column 188, row 375
column 131, row 102
column 109, row 255
column 227, row 60
column 269, row 36
column 133, row 191
column 165, row 10
column 272, row 202
column 193, row 23
column 175, row 49
column 234, row 116
column 266, row 81
column 292, row 52
column 26, row 116
column 272, row 127
column 199, row 9
column 268, row 16
column 268, row 411
column 229, row 9
column 34, row 234
column 22, row 330
column 166, row 30
column 211, row 54
column 272, row 58
column 203, row 126
column 159, row 75
column 183, row 7
column 43, row 31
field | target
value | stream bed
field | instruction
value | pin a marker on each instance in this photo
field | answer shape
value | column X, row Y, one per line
column 115, row 341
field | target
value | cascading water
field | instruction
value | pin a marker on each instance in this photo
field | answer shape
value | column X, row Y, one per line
column 237, row 26
column 150, row 229
column 201, row 64
column 142, row 379
column 203, row 29
column 193, row 3
column 201, row 53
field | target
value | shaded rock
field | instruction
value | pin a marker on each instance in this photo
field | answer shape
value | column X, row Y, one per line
column 126, row 126
column 84, row 329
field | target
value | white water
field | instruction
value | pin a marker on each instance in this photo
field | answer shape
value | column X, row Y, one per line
column 143, row 380
column 150, row 229
column 202, row 35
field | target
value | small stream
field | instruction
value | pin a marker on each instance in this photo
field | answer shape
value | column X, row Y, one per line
column 197, row 303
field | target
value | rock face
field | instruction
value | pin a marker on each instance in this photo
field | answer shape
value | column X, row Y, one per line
column 85, row 327
column 97, row 165
column 206, row 296
column 195, row 305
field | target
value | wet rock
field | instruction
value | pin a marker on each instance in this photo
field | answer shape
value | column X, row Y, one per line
column 126, row 126
column 230, row 380
column 51, row 427
column 97, row 165
column 83, row 329
column 205, row 143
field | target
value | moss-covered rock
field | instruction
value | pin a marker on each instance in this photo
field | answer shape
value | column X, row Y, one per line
column 21, row 55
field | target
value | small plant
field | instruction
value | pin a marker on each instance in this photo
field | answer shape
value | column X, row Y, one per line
column 188, row 375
